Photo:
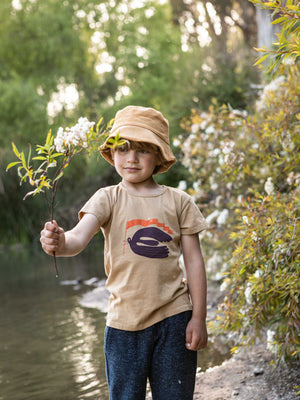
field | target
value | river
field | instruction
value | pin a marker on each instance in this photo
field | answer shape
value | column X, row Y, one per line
column 51, row 329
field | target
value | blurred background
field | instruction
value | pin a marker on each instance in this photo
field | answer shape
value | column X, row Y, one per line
column 234, row 128
column 62, row 60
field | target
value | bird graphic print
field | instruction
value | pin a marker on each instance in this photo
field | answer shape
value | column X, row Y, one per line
column 149, row 241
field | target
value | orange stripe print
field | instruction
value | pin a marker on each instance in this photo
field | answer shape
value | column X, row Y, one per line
column 152, row 221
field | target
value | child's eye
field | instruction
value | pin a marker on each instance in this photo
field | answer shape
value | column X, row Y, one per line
column 122, row 149
column 144, row 151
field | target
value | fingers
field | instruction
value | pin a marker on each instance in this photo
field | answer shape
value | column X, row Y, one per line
column 196, row 337
column 188, row 339
column 51, row 237
column 196, row 343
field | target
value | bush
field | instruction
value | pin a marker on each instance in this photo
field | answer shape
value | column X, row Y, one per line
column 246, row 177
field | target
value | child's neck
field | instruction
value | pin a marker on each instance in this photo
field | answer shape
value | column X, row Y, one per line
column 146, row 188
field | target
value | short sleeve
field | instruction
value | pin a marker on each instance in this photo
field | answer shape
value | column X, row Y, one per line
column 99, row 205
column 191, row 219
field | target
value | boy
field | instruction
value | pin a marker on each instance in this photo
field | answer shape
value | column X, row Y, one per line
column 156, row 321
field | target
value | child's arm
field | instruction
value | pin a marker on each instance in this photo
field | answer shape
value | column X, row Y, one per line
column 196, row 332
column 55, row 239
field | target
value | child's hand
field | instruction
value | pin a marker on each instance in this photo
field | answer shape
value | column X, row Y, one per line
column 196, row 335
column 52, row 238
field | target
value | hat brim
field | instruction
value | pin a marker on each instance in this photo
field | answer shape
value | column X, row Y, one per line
column 144, row 135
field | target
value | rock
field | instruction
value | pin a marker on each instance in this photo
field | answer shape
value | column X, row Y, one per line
column 258, row 371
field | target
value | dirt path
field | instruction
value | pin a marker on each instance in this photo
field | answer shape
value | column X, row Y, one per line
column 248, row 375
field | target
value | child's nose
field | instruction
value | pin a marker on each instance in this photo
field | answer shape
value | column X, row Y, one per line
column 132, row 156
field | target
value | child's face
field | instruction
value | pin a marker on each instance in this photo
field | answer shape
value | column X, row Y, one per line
column 135, row 164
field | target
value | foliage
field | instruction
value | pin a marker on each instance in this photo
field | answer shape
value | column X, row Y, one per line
column 287, row 49
column 110, row 54
column 55, row 156
column 246, row 178
column 23, row 112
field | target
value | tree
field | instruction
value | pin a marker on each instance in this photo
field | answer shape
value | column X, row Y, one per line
column 109, row 55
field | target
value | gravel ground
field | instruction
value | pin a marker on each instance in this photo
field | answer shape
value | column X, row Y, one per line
column 248, row 375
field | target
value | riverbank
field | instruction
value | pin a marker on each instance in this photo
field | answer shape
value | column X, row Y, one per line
column 248, row 375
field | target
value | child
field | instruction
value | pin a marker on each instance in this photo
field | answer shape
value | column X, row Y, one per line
column 156, row 321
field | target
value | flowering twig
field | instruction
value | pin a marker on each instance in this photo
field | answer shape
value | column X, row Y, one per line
column 55, row 156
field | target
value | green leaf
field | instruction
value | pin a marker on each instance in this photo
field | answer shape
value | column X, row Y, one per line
column 59, row 176
column 15, row 150
column 279, row 20
column 261, row 50
column 261, row 59
column 23, row 160
column 98, row 124
column 49, row 138
column 29, row 155
column 12, row 164
column 40, row 158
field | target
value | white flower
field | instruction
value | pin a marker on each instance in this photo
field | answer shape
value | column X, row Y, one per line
column 271, row 343
column 213, row 184
column 196, row 185
column 224, row 285
column 254, row 236
column 228, row 147
column 74, row 136
column 59, row 140
column 258, row 273
column 248, row 294
column 273, row 86
column 289, row 60
column 182, row 185
column 210, row 129
column 246, row 220
column 221, row 159
column 240, row 199
column 287, row 142
column 291, row 178
column 229, row 159
column 195, row 128
column 212, row 217
column 176, row 142
column 214, row 153
column 269, row 187
column 218, row 201
column 221, row 220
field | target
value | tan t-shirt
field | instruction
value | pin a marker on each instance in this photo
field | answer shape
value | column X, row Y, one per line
column 142, row 250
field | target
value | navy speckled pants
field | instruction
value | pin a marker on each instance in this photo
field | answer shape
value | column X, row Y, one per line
column 157, row 353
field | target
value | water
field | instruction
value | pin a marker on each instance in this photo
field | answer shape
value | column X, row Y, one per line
column 51, row 343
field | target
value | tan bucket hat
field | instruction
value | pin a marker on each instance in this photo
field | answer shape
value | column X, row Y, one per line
column 142, row 124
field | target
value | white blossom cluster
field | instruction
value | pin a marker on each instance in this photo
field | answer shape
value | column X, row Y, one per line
column 229, row 155
column 271, row 342
column 269, row 186
column 274, row 86
column 287, row 142
column 74, row 136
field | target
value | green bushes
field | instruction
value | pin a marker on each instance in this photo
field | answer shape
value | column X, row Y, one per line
column 246, row 171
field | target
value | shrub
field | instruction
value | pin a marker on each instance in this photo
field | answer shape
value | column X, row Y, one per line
column 246, row 177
